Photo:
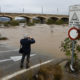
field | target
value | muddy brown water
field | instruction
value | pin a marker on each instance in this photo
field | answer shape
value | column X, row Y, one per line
column 48, row 38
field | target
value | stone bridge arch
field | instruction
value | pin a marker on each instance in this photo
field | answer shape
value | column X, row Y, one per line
column 65, row 19
column 7, row 17
column 54, row 18
column 41, row 19
column 27, row 19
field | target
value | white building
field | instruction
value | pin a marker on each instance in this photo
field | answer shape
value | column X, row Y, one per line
column 74, row 16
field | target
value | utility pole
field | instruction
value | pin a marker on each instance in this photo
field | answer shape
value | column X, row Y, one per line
column 42, row 10
column 0, row 9
column 57, row 11
column 23, row 10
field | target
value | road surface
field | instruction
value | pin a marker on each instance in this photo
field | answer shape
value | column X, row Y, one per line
column 10, row 60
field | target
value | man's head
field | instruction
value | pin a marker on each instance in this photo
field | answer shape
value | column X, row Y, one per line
column 26, row 35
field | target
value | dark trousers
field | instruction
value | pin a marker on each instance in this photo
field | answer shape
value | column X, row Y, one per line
column 27, row 58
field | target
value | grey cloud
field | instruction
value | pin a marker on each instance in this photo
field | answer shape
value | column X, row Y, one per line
column 34, row 6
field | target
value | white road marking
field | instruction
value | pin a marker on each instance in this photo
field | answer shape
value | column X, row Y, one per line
column 14, row 58
column 22, row 71
column 5, row 60
column 9, row 51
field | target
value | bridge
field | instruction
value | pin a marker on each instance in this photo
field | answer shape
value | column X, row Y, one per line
column 29, row 16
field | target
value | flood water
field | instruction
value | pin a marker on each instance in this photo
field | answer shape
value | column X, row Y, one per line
column 48, row 39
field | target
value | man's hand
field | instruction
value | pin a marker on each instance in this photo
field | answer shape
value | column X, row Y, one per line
column 29, row 38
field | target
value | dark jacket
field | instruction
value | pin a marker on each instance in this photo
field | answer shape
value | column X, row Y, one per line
column 26, row 45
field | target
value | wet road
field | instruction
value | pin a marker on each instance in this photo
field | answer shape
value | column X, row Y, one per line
column 10, row 60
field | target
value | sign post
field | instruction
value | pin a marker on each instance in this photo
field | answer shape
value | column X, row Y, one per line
column 73, row 35
column 72, row 59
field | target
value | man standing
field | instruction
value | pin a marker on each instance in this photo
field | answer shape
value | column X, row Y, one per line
column 26, row 49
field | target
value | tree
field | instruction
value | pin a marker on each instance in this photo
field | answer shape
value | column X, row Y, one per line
column 66, row 47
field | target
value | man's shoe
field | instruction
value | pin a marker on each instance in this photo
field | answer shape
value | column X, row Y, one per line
column 27, row 65
column 21, row 66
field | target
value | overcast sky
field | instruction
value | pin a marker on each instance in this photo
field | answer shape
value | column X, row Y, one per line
column 35, row 6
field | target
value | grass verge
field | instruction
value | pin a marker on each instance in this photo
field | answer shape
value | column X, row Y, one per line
column 47, row 72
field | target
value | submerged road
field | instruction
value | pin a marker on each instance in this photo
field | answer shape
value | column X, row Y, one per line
column 10, row 60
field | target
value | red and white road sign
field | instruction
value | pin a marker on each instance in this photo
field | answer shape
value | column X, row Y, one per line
column 73, row 33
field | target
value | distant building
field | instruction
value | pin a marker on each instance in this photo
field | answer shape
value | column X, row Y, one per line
column 74, row 16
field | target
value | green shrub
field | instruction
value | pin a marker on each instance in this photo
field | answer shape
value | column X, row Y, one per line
column 3, row 38
column 51, row 21
column 11, row 23
column 30, row 24
column 59, row 22
column 66, row 47
column 6, row 24
column 78, row 48
column 14, row 23
column 36, row 21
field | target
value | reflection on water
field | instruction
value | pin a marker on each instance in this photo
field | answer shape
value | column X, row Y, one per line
column 51, row 29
